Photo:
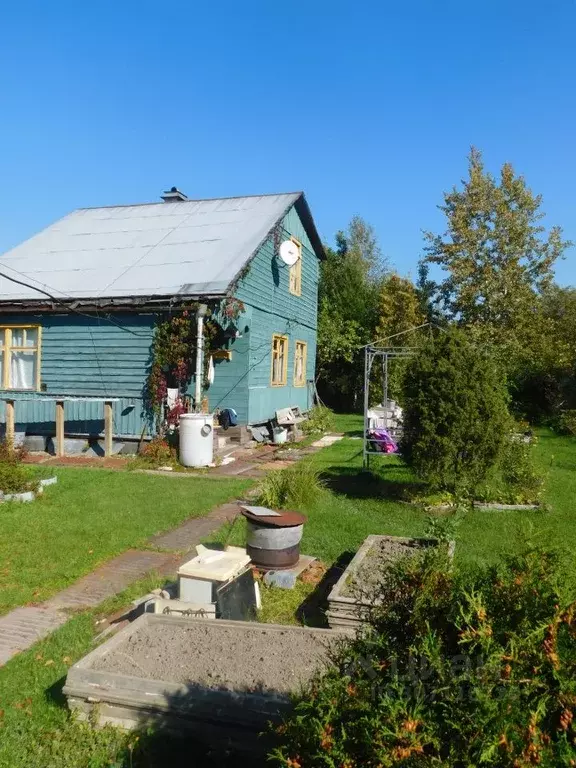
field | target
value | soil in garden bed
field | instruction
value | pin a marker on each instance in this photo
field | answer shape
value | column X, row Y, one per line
column 368, row 575
column 220, row 657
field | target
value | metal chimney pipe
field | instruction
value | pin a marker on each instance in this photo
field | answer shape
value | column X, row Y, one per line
column 173, row 195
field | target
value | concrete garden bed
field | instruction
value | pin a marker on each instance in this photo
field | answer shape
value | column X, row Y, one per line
column 496, row 506
column 48, row 481
column 29, row 495
column 354, row 592
column 222, row 680
column 487, row 505
column 22, row 496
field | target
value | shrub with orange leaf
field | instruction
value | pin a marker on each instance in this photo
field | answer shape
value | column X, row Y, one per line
column 454, row 669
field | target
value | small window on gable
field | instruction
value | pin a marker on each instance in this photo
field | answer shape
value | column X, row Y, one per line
column 300, row 364
column 279, row 360
column 20, row 357
column 295, row 276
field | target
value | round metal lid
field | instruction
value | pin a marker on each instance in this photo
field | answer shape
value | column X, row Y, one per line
column 283, row 518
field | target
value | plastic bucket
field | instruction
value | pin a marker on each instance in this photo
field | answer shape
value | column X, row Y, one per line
column 279, row 435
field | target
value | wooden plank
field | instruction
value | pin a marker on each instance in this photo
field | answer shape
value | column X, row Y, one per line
column 10, row 420
column 59, row 427
column 108, row 427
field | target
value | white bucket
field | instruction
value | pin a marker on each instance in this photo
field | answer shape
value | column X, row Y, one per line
column 279, row 435
column 196, row 439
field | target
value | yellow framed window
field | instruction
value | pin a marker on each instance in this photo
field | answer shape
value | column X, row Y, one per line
column 300, row 352
column 279, row 360
column 295, row 276
column 20, row 356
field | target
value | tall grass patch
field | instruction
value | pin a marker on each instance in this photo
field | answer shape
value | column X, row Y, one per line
column 297, row 487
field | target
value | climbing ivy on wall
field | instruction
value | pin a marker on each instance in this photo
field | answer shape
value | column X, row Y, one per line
column 174, row 347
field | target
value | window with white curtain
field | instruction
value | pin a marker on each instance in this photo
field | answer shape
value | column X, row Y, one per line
column 19, row 356
column 300, row 364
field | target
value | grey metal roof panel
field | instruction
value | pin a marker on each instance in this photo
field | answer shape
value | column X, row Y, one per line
column 195, row 247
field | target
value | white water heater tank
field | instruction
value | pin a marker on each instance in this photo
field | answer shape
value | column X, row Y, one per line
column 196, row 439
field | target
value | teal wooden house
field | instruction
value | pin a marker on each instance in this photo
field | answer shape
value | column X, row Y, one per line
column 80, row 301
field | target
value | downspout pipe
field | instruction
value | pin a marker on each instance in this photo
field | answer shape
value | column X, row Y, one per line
column 200, row 315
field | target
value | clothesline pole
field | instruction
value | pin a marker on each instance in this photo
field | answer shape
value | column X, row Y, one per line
column 367, row 366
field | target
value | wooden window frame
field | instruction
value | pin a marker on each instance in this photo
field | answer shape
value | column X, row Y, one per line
column 295, row 274
column 8, row 348
column 283, row 339
column 304, row 345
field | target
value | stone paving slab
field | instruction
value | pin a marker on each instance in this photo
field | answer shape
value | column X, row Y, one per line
column 111, row 578
column 234, row 469
column 327, row 440
column 23, row 627
column 277, row 464
column 186, row 536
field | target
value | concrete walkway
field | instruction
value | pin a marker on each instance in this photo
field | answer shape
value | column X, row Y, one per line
column 23, row 627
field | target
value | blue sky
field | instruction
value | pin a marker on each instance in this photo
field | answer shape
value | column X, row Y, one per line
column 370, row 107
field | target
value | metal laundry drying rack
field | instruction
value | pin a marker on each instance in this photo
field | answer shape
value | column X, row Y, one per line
column 372, row 352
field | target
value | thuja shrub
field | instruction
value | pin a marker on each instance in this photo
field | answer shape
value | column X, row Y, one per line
column 453, row 670
column 455, row 414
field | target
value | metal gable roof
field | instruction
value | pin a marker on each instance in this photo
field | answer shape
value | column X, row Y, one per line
column 188, row 248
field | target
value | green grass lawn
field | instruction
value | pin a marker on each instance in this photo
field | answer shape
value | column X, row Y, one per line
column 483, row 536
column 35, row 729
column 354, row 505
column 89, row 517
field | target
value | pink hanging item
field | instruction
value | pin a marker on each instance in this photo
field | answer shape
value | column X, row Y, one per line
column 382, row 441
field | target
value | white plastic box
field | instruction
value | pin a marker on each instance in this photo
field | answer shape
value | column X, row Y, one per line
column 199, row 578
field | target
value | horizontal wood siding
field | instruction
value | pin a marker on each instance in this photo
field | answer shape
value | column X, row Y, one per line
column 264, row 399
column 93, row 357
column 38, row 417
column 88, row 357
column 265, row 289
column 265, row 285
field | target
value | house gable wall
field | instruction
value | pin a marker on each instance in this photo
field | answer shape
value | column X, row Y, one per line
column 264, row 289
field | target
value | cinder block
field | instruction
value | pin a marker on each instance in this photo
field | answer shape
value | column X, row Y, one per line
column 35, row 443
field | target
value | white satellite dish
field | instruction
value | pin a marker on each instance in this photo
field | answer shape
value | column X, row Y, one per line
column 289, row 253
